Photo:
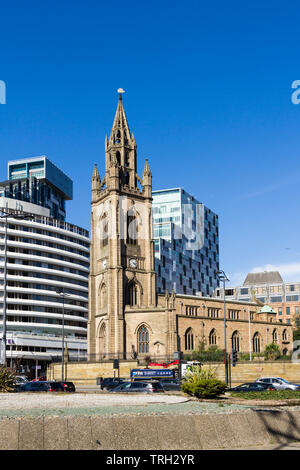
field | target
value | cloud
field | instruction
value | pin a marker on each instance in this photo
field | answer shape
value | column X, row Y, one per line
column 290, row 272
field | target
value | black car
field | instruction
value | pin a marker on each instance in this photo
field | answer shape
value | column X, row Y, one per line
column 111, row 382
column 69, row 386
column 41, row 387
column 252, row 387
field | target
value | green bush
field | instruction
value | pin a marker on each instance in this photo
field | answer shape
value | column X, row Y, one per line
column 202, row 383
column 272, row 351
column 7, row 379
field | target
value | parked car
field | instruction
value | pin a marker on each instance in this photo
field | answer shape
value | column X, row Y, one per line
column 41, row 387
column 21, row 379
column 69, row 386
column 170, row 384
column 138, row 387
column 252, row 387
column 110, row 382
column 279, row 383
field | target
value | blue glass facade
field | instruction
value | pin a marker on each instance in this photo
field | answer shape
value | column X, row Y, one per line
column 186, row 240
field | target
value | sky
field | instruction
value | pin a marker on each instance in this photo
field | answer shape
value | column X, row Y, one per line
column 208, row 96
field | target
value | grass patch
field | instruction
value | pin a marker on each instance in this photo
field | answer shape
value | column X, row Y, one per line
column 268, row 395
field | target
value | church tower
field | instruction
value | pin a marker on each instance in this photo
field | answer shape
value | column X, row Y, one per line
column 122, row 273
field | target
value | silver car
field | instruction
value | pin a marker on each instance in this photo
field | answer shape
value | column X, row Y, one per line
column 279, row 383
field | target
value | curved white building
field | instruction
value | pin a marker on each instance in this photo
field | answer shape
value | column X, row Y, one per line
column 43, row 255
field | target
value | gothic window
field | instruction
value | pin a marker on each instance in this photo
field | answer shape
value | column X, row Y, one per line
column 131, row 229
column 235, row 341
column 133, row 294
column 102, row 296
column 118, row 157
column 143, row 340
column 189, row 339
column 102, row 339
column 256, row 343
column 118, row 140
column 274, row 336
column 284, row 335
column 104, row 230
column 212, row 339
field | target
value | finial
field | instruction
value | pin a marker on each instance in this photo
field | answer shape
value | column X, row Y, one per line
column 120, row 91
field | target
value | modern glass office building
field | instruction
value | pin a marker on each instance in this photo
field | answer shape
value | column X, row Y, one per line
column 38, row 181
column 44, row 255
column 186, row 238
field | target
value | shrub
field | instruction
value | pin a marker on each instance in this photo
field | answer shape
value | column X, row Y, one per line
column 7, row 379
column 272, row 351
column 202, row 383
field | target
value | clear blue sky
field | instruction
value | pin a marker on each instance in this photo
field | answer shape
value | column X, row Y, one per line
column 208, row 97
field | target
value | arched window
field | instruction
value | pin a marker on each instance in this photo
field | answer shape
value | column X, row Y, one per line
column 212, row 337
column 104, row 229
column 256, row 343
column 235, row 341
column 102, row 339
column 132, row 229
column 118, row 157
column 102, row 296
column 274, row 336
column 189, row 339
column 284, row 335
column 133, row 294
column 143, row 340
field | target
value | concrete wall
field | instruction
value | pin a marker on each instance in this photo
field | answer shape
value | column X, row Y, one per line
column 190, row 432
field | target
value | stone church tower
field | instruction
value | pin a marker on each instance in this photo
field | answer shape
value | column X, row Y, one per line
column 122, row 273
column 127, row 318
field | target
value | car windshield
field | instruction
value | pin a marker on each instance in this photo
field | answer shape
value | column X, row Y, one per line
column 285, row 381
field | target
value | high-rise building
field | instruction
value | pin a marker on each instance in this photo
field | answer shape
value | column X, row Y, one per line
column 38, row 181
column 44, row 254
column 186, row 237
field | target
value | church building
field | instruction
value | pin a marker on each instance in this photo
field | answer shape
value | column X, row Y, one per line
column 128, row 319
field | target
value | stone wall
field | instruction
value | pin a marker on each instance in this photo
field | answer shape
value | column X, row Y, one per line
column 86, row 373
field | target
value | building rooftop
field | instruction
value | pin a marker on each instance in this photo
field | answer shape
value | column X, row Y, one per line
column 266, row 277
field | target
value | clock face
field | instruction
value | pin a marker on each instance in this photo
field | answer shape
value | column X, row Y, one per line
column 104, row 263
column 133, row 263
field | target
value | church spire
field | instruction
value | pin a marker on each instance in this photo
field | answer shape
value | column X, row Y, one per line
column 120, row 149
column 120, row 133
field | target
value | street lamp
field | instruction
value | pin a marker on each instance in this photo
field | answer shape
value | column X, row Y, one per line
column 5, row 215
column 222, row 277
column 63, row 294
